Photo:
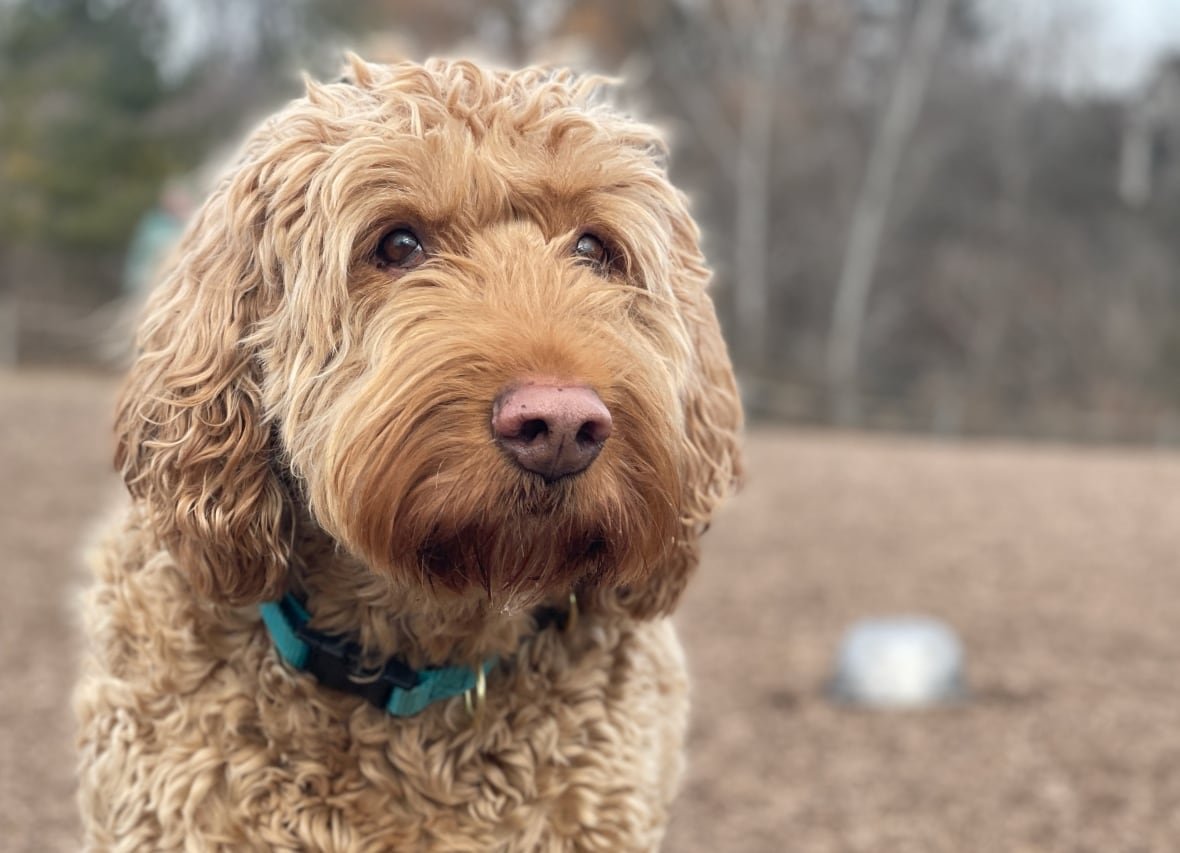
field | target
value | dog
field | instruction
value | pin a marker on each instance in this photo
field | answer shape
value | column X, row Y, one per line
column 428, row 414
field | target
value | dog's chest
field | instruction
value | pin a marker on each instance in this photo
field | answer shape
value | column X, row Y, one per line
column 578, row 748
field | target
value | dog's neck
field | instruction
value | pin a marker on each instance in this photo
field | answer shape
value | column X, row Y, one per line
column 388, row 619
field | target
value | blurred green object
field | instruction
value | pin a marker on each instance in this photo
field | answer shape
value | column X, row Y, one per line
column 154, row 235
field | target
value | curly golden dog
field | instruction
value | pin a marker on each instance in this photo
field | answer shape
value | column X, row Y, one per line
column 428, row 415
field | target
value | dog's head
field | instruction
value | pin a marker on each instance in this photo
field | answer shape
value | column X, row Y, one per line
column 456, row 318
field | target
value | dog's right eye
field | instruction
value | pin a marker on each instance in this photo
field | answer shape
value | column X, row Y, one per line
column 400, row 248
column 591, row 249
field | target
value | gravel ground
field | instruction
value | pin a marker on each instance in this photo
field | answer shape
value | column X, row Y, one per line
column 54, row 481
column 1056, row 565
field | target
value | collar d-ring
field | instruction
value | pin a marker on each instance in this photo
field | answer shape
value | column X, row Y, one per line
column 476, row 698
column 571, row 617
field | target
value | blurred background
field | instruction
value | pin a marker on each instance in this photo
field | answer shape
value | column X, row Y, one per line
column 930, row 220
column 953, row 217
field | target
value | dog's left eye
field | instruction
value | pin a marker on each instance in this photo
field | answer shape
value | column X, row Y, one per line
column 592, row 250
column 400, row 248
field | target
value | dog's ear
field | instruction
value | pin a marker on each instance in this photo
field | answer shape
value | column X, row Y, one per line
column 192, row 442
column 712, row 406
column 711, row 466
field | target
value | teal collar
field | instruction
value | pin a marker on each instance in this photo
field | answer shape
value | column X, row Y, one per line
column 336, row 663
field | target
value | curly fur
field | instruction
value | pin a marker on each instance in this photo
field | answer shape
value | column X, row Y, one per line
column 302, row 417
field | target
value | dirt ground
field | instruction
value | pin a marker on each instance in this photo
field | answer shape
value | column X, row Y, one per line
column 1057, row 566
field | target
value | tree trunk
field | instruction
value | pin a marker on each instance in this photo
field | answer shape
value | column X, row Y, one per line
column 753, row 192
column 872, row 208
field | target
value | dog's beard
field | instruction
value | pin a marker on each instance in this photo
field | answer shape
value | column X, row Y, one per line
column 528, row 545
column 429, row 499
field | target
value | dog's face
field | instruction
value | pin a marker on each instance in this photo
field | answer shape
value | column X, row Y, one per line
column 455, row 317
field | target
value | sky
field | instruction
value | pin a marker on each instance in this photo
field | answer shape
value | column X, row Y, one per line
column 1131, row 34
column 1106, row 45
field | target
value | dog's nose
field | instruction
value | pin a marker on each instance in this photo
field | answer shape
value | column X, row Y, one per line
column 550, row 429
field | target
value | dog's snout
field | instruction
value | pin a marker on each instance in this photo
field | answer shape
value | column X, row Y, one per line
column 554, row 430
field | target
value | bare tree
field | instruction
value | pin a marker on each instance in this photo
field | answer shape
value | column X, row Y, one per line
column 872, row 208
column 730, row 94
column 1150, row 116
column 753, row 183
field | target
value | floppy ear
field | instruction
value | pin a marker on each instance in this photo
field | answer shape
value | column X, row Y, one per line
column 710, row 447
column 192, row 443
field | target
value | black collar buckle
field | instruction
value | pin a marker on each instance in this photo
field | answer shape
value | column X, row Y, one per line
column 336, row 663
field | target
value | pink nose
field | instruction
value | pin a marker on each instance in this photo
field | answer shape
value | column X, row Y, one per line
column 549, row 429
